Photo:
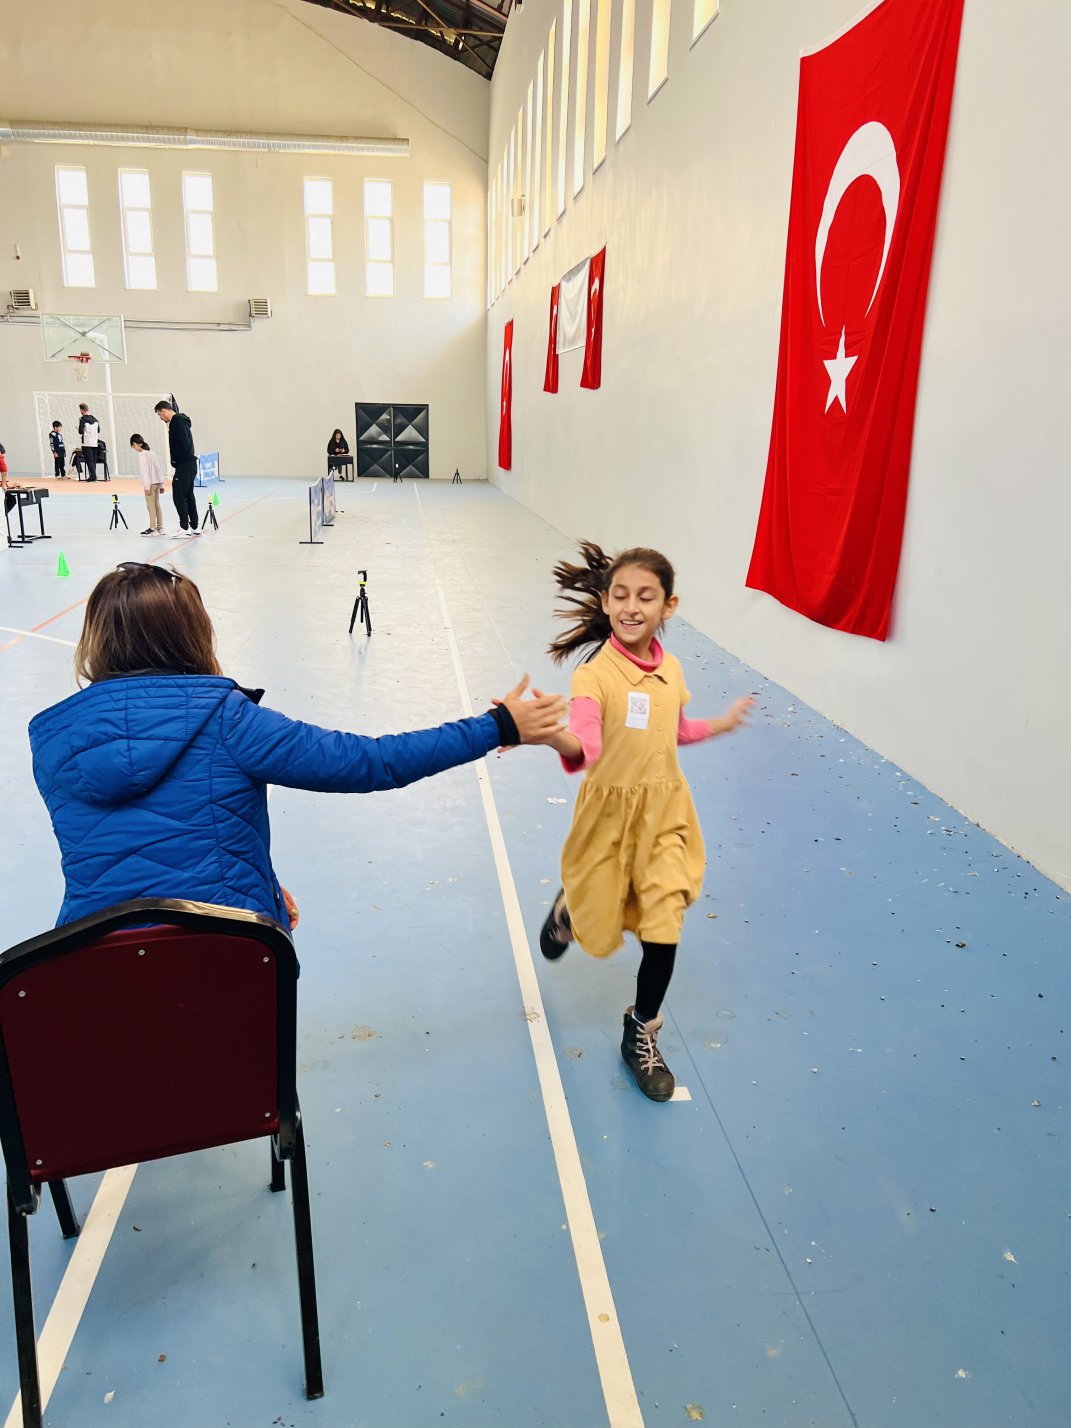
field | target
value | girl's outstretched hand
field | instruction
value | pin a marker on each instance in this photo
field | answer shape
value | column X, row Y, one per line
column 539, row 717
column 737, row 713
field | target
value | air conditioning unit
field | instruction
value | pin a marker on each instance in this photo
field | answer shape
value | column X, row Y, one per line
column 22, row 300
column 260, row 307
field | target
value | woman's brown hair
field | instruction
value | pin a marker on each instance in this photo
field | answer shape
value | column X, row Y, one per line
column 145, row 617
column 590, row 581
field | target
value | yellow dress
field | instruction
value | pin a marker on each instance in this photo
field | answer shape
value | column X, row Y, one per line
column 634, row 858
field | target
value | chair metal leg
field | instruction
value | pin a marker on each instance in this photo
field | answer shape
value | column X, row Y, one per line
column 68, row 1220
column 278, row 1170
column 310, row 1323
column 18, row 1232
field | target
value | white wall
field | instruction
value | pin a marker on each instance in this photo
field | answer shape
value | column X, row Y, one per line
column 971, row 693
column 267, row 400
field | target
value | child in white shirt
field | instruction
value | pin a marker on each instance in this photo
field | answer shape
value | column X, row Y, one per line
column 152, row 480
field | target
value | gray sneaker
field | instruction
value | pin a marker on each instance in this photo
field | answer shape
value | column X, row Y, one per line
column 640, row 1053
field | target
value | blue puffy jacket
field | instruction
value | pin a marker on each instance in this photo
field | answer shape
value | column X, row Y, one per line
column 157, row 785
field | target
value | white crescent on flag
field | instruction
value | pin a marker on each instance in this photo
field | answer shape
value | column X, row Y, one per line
column 871, row 151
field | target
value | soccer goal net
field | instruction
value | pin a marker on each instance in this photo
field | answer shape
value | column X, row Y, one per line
column 133, row 413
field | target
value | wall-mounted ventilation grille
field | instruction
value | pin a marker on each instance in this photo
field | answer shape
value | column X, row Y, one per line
column 22, row 300
column 260, row 307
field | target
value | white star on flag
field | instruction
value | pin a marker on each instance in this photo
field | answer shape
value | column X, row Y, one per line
column 838, row 370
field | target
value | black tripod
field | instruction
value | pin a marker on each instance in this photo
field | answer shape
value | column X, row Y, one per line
column 210, row 515
column 360, row 605
column 457, row 477
column 117, row 516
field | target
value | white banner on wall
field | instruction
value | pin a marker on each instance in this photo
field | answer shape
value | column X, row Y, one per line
column 573, row 308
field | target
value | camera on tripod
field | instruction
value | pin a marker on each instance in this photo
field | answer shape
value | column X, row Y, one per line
column 361, row 610
column 117, row 515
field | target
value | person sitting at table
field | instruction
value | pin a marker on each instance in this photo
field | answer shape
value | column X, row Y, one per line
column 336, row 447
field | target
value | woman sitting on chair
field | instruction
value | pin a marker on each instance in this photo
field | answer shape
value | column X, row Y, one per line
column 156, row 774
column 336, row 447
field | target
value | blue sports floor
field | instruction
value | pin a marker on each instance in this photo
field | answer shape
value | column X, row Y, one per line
column 861, row 1212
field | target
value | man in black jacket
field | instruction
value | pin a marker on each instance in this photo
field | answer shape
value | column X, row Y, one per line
column 184, row 460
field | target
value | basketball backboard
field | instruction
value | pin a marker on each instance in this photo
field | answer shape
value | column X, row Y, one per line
column 72, row 335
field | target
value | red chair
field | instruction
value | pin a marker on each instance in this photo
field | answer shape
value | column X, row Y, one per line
column 176, row 1022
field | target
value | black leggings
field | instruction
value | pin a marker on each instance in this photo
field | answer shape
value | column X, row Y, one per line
column 652, row 979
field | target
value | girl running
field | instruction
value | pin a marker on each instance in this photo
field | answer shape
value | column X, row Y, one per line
column 634, row 857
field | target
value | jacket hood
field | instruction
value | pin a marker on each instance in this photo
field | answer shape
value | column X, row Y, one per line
column 114, row 741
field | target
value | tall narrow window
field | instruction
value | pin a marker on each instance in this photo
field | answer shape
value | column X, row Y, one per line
column 705, row 11
column 319, row 236
column 490, row 243
column 135, row 204
column 537, row 175
column 624, row 76
column 563, row 106
column 518, row 191
column 528, row 172
column 580, row 109
column 72, row 203
column 378, row 238
column 197, row 204
column 511, row 193
column 659, row 71
column 602, row 82
column 437, row 223
column 503, row 221
column 548, row 146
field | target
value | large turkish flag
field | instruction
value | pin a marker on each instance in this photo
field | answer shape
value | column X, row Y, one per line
column 873, row 117
column 505, row 412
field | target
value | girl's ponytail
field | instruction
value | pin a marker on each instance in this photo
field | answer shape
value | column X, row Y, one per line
column 582, row 587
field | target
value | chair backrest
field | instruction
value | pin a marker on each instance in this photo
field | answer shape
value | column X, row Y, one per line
column 148, row 1030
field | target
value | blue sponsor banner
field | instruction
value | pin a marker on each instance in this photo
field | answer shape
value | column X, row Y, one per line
column 329, row 499
column 207, row 469
column 316, row 513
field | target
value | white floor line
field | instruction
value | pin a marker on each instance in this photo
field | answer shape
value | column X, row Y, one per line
column 67, row 1308
column 30, row 635
column 615, row 1375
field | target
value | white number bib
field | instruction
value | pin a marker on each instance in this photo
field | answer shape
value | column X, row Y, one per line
column 639, row 711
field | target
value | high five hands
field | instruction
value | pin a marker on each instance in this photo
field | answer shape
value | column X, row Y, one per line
column 539, row 717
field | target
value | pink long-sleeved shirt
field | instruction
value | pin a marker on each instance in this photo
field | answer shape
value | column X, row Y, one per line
column 585, row 717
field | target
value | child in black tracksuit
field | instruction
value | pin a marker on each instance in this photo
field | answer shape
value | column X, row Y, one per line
column 59, row 451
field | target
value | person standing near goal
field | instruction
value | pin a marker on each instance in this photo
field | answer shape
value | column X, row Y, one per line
column 184, row 460
column 59, row 451
column 89, row 436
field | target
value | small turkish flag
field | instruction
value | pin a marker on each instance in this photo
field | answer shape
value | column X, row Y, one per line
column 871, row 128
column 550, row 381
column 505, row 414
column 592, row 373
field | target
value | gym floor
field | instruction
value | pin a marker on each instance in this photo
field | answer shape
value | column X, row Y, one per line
column 855, row 1213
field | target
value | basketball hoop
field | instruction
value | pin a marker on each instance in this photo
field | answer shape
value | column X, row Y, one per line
column 81, row 362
